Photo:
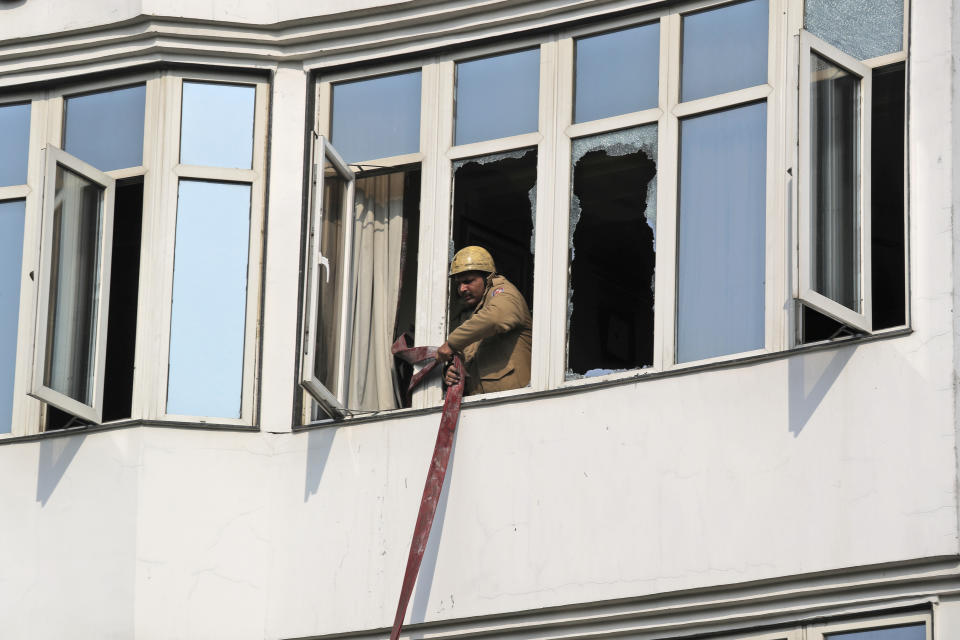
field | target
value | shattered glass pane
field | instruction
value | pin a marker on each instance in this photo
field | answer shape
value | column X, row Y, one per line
column 612, row 252
column 494, row 202
column 863, row 28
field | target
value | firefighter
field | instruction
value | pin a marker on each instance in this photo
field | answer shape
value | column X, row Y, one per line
column 493, row 327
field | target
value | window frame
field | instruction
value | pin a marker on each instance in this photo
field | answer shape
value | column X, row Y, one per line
column 333, row 401
column 822, row 631
column 862, row 320
column 153, row 385
column 93, row 412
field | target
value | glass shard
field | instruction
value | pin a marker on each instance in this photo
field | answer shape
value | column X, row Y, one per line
column 617, row 72
column 724, row 49
column 862, row 28
column 208, row 317
column 612, row 253
column 216, row 128
column 497, row 96
column 105, row 128
column 377, row 118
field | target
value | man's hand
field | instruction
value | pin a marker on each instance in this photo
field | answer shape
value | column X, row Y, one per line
column 444, row 352
column 452, row 375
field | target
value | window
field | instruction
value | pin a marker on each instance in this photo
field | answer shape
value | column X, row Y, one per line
column 15, row 123
column 851, row 238
column 122, row 198
column 629, row 179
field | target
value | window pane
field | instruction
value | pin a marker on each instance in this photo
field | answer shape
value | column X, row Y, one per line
column 330, row 282
column 106, row 128
column 11, row 254
column 217, row 125
column 498, row 96
column 15, row 132
column 209, row 299
column 863, row 28
column 617, row 72
column 377, row 118
column 720, row 291
column 74, row 286
column 834, row 182
column 613, row 252
column 909, row 632
column 724, row 49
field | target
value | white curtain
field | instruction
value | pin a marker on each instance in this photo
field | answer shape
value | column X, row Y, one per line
column 377, row 245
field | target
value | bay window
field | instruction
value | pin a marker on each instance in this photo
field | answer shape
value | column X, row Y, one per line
column 637, row 180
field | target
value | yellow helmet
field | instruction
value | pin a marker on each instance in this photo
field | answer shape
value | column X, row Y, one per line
column 472, row 259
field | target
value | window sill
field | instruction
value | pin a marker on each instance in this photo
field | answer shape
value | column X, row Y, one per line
column 617, row 379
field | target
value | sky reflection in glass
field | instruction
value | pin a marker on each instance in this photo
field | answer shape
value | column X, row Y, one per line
column 377, row 118
column 11, row 254
column 721, row 264
column 15, row 133
column 106, row 128
column 498, row 96
column 910, row 632
column 209, row 299
column 724, row 49
column 617, row 72
column 216, row 128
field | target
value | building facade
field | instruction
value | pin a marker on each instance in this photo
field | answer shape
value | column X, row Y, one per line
column 734, row 223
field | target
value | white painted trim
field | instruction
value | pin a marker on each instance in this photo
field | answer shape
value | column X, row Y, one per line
column 722, row 101
column 388, row 162
column 218, row 174
column 613, row 123
column 860, row 320
column 92, row 411
column 16, row 192
column 489, row 147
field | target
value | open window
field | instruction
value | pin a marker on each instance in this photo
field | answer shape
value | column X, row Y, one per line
column 74, row 286
column 834, row 184
column 323, row 368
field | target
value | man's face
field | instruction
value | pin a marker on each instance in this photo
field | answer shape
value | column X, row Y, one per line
column 470, row 286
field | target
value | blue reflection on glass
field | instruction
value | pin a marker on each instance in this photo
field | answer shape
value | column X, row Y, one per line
column 216, row 128
column 724, row 49
column 106, row 128
column 15, row 133
column 910, row 632
column 11, row 254
column 209, row 299
column 862, row 29
column 498, row 96
column 617, row 73
column 720, row 290
column 377, row 118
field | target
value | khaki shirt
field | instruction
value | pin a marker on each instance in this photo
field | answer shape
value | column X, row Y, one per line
column 495, row 339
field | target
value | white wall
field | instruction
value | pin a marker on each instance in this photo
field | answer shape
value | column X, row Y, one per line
column 827, row 460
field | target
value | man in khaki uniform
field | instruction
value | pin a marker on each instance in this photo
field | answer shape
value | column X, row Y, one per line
column 493, row 328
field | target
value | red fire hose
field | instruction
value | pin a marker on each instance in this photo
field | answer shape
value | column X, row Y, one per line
column 437, row 470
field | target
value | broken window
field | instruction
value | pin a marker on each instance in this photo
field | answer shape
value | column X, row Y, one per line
column 494, row 203
column 612, row 252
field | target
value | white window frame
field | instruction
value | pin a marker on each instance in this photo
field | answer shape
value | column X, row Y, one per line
column 332, row 400
column 92, row 412
column 153, row 385
column 822, row 631
column 862, row 320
